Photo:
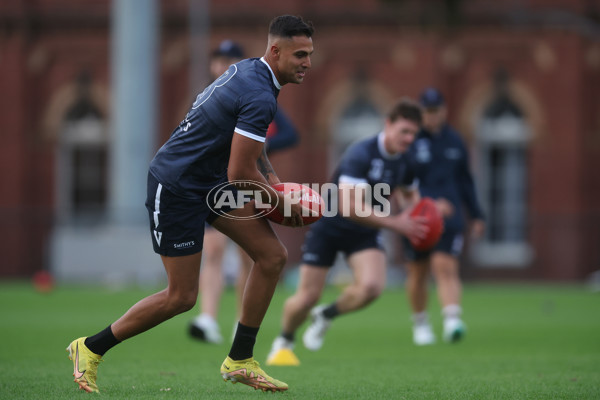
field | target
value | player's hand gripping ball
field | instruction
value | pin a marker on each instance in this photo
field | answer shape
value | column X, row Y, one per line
column 426, row 208
column 310, row 199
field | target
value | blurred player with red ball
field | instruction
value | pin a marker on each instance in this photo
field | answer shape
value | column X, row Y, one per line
column 370, row 163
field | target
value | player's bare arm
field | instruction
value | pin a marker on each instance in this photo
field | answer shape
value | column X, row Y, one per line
column 349, row 197
column 445, row 207
column 402, row 223
column 266, row 169
column 244, row 166
column 244, row 163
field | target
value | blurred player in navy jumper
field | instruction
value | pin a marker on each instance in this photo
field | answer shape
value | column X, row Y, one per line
column 372, row 163
column 221, row 140
column 444, row 174
column 281, row 135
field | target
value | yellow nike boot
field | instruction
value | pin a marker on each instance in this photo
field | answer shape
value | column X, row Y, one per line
column 85, row 365
column 249, row 373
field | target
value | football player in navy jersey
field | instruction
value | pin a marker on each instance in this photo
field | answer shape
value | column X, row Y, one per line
column 281, row 135
column 442, row 166
column 221, row 140
column 369, row 171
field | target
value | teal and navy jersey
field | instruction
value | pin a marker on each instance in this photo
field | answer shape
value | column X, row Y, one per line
column 442, row 167
column 195, row 158
column 367, row 162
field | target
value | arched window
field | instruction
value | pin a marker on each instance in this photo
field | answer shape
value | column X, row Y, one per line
column 82, row 163
column 360, row 119
column 503, row 141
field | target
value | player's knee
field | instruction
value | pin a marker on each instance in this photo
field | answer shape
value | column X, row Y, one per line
column 372, row 290
column 281, row 257
column 309, row 299
column 182, row 302
column 445, row 274
column 274, row 260
column 189, row 301
column 417, row 275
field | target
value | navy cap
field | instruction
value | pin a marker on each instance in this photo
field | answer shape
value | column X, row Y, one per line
column 431, row 98
column 229, row 48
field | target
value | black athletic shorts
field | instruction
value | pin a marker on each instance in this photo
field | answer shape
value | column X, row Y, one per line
column 322, row 244
column 176, row 223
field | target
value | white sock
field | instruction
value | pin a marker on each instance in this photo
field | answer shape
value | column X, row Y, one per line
column 452, row 311
column 420, row 318
column 206, row 318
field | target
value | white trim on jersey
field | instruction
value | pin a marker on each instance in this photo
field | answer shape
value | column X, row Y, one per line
column 384, row 153
column 250, row 135
column 351, row 180
column 277, row 85
column 157, row 234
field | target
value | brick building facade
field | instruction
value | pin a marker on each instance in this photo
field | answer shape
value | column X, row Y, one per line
column 522, row 83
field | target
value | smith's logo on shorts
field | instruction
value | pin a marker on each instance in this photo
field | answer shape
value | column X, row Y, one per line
column 184, row 245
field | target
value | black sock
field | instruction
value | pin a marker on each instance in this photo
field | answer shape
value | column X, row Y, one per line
column 287, row 336
column 101, row 342
column 243, row 343
column 331, row 311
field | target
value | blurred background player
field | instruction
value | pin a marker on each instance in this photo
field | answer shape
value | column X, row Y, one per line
column 373, row 161
column 442, row 168
column 280, row 135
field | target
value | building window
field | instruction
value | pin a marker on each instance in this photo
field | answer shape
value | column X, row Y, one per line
column 82, row 166
column 360, row 119
column 503, row 141
column 88, row 194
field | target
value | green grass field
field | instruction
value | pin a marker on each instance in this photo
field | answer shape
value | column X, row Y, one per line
column 523, row 342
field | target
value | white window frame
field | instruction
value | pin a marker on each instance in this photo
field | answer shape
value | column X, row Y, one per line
column 505, row 132
column 87, row 132
column 349, row 128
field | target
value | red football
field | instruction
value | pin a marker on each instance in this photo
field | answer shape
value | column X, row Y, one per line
column 426, row 208
column 310, row 199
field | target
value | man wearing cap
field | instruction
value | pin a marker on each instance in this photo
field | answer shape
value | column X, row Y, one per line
column 442, row 167
column 281, row 135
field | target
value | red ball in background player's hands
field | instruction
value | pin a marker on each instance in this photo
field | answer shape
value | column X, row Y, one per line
column 310, row 199
column 426, row 208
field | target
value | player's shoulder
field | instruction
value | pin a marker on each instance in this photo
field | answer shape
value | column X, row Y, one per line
column 248, row 64
column 365, row 148
column 255, row 71
column 364, row 144
column 256, row 78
